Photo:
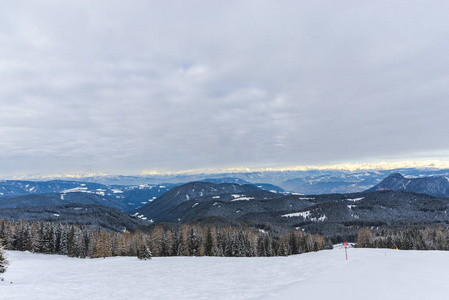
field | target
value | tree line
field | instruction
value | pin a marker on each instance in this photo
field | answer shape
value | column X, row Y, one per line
column 412, row 238
column 185, row 240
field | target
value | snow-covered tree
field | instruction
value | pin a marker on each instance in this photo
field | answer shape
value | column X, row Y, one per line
column 209, row 243
column 72, row 247
column 144, row 252
column 3, row 261
column 48, row 238
column 180, row 244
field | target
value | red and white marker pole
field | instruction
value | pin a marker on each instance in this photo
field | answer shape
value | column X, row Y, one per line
column 345, row 244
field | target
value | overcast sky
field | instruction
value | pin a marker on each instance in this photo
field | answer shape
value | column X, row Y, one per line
column 132, row 86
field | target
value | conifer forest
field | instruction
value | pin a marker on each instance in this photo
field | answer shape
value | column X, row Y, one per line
column 185, row 240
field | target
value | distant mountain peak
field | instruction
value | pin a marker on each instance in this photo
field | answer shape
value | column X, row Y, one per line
column 434, row 185
column 395, row 176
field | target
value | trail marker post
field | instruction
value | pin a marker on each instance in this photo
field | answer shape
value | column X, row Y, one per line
column 345, row 244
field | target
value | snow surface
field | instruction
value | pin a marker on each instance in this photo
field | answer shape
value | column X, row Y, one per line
column 303, row 214
column 356, row 199
column 242, row 199
column 368, row 274
column 320, row 219
column 77, row 189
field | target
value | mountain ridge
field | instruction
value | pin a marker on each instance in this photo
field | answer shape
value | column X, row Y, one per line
column 189, row 191
column 436, row 185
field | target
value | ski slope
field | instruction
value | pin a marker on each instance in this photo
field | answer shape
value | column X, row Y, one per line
column 368, row 274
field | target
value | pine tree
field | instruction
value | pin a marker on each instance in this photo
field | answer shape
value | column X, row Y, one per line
column 144, row 252
column 48, row 244
column 21, row 237
column 71, row 243
column 83, row 241
column 2, row 229
column 180, row 249
column 192, row 243
column 36, row 237
column 93, row 238
column 3, row 261
column 209, row 244
column 293, row 242
column 63, row 240
column 10, row 236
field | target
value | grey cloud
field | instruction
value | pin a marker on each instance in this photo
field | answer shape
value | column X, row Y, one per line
column 125, row 87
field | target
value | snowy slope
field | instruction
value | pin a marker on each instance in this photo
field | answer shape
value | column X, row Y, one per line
column 369, row 274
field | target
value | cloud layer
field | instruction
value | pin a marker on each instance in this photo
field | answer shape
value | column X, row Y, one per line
column 126, row 87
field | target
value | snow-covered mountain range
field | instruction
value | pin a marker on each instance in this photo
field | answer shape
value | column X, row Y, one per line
column 396, row 199
column 304, row 182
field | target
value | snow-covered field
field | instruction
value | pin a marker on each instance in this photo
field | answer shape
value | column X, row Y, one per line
column 368, row 274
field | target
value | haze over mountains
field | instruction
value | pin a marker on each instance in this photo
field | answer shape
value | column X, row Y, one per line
column 304, row 182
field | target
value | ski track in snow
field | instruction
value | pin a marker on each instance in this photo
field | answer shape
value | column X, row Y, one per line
column 368, row 274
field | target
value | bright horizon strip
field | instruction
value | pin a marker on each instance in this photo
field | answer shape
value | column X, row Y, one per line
column 432, row 164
